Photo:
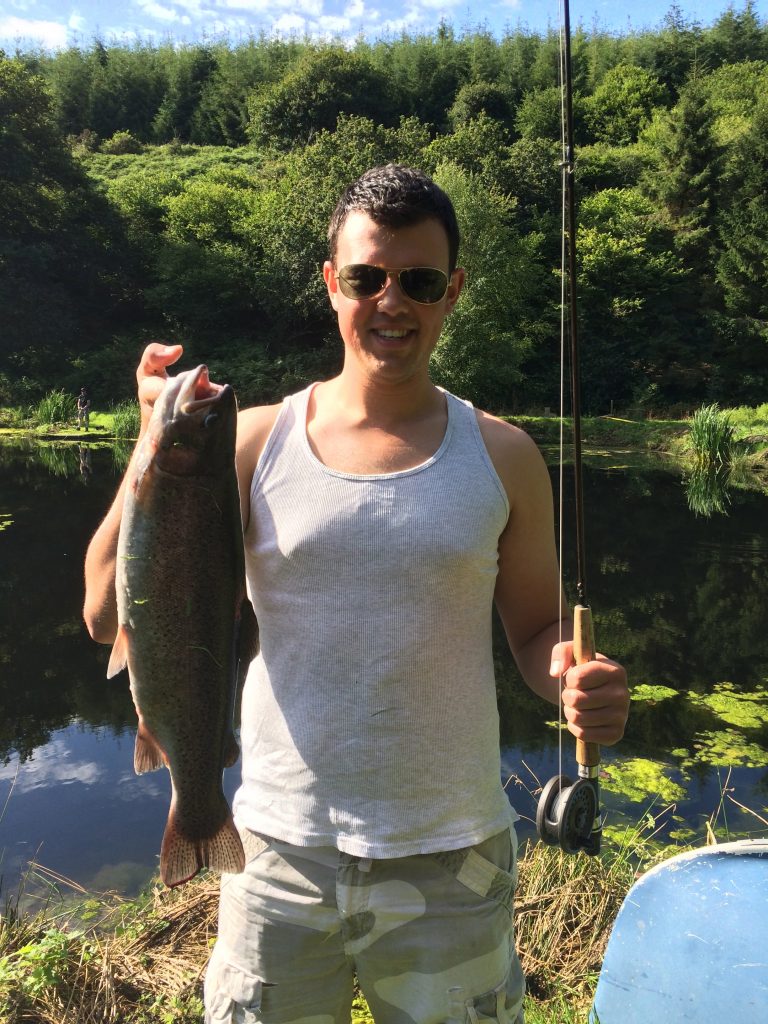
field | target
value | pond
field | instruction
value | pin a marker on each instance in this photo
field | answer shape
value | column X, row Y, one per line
column 680, row 599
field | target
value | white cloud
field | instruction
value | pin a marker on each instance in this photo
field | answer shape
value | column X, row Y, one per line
column 50, row 34
column 290, row 24
column 354, row 10
column 76, row 22
column 160, row 13
column 52, row 764
column 333, row 25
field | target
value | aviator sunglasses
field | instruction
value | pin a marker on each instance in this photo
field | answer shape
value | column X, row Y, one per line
column 363, row 280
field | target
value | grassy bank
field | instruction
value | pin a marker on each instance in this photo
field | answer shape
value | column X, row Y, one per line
column 54, row 417
column 142, row 961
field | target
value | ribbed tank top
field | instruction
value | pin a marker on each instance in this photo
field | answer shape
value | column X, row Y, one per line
column 369, row 717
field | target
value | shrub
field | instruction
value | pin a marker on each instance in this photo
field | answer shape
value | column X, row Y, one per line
column 121, row 143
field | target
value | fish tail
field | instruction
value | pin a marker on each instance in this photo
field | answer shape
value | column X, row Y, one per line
column 182, row 856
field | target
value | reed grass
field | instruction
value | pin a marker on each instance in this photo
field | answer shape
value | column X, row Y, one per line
column 55, row 407
column 126, row 419
column 711, row 436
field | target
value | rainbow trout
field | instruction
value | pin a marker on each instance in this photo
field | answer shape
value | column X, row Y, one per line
column 185, row 625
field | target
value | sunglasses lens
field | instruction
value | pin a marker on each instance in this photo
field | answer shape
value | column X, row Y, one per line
column 360, row 281
column 424, row 284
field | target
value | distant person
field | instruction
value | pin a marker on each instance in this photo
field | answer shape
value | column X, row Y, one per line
column 83, row 409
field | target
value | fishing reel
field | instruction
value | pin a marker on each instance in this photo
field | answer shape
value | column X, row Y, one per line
column 568, row 814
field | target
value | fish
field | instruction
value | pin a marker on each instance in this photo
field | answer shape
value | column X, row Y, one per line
column 186, row 629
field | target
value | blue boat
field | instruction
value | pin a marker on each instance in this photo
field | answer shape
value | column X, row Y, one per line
column 690, row 942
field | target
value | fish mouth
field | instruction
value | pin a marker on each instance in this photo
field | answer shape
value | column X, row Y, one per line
column 198, row 394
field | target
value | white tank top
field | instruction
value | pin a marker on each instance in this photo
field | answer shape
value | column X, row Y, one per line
column 369, row 717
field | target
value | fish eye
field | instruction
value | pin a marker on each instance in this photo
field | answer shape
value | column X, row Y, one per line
column 210, row 418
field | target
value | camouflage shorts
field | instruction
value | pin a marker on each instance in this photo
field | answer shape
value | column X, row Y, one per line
column 429, row 937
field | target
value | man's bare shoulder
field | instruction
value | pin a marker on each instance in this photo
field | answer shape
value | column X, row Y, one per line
column 253, row 428
column 515, row 457
column 505, row 440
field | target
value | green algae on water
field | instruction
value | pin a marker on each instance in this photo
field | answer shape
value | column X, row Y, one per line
column 743, row 710
column 637, row 779
column 725, row 748
column 646, row 692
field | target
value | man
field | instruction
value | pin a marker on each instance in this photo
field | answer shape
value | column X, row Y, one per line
column 382, row 519
column 83, row 409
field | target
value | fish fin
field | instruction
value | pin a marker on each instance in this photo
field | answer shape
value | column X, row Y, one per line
column 231, row 750
column 118, row 660
column 182, row 857
column 148, row 755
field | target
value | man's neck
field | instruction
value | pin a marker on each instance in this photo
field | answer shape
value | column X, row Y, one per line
column 378, row 403
column 375, row 429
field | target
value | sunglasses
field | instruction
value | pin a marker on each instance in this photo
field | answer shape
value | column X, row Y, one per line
column 422, row 284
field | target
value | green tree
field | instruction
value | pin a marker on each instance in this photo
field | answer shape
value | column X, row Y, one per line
column 742, row 267
column 69, row 77
column 325, row 83
column 206, row 266
column 622, row 104
column 127, row 87
column 178, row 116
column 737, row 36
column 733, row 92
column 684, row 178
column 56, row 238
column 638, row 322
column 476, row 98
column 479, row 146
column 426, row 72
column 486, row 338
column 673, row 53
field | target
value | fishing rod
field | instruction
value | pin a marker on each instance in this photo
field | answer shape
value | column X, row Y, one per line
column 568, row 813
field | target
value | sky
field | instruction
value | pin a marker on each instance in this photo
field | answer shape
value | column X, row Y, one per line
column 53, row 24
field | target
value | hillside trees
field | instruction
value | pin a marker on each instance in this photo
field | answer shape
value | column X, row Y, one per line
column 485, row 341
column 222, row 247
column 179, row 115
column 323, row 84
column 58, row 275
column 621, row 106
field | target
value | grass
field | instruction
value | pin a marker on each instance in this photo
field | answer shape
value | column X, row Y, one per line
column 104, row 958
column 55, row 408
column 142, row 961
column 711, row 436
column 126, row 419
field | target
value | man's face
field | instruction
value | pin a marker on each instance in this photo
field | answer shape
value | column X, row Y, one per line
column 390, row 336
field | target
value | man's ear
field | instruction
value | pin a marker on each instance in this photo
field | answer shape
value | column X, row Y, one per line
column 331, row 283
column 454, row 288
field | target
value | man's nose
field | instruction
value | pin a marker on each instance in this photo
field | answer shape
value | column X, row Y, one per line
column 392, row 294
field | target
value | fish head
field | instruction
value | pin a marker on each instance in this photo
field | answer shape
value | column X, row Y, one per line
column 193, row 425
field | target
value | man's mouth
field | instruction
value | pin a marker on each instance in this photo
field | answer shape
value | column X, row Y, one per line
column 392, row 334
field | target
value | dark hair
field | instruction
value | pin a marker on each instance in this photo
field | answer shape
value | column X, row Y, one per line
column 395, row 197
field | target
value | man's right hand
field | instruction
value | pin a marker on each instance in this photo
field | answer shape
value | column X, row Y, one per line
column 152, row 374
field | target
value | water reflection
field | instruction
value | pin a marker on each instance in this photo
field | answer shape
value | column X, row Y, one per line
column 680, row 599
column 707, row 490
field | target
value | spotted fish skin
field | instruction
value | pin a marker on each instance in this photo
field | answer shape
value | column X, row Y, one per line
column 186, row 627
